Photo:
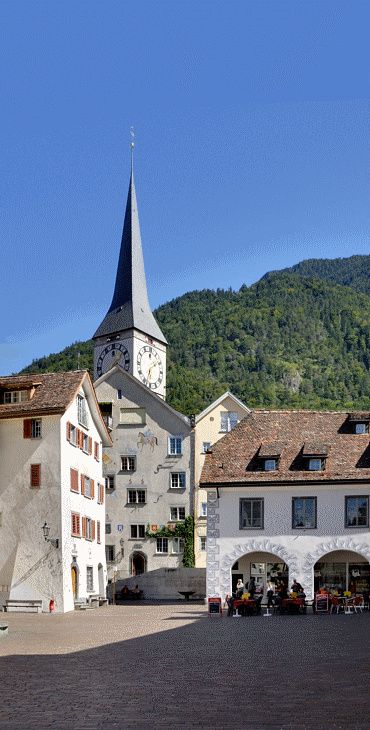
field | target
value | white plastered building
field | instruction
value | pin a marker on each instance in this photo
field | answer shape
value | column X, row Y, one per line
column 51, row 439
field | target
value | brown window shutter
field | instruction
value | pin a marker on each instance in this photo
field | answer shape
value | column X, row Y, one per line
column 68, row 431
column 92, row 488
column 84, row 527
column 96, row 454
column 35, row 475
column 75, row 524
column 90, row 445
column 93, row 529
column 101, row 493
column 74, row 480
column 98, row 531
column 82, row 484
column 81, row 439
column 27, row 428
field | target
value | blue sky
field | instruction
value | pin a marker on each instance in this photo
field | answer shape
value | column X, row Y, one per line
column 250, row 154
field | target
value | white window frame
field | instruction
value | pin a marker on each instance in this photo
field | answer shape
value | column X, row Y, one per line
column 206, row 446
column 88, row 523
column 108, row 525
column 318, row 460
column 270, row 464
column 73, row 435
column 203, row 509
column 175, row 445
column 139, row 528
column 163, row 542
column 36, row 428
column 108, row 479
column 202, row 544
column 362, row 427
column 16, row 396
column 136, row 501
column 89, row 579
column 228, row 421
column 82, row 411
column 130, row 464
column 177, row 545
column 177, row 518
column 87, row 487
column 252, row 501
column 180, row 478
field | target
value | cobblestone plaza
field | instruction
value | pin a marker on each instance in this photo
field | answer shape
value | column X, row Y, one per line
column 144, row 666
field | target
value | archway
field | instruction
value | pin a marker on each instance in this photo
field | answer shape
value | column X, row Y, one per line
column 101, row 580
column 74, row 578
column 342, row 570
column 138, row 563
column 259, row 568
column 266, row 549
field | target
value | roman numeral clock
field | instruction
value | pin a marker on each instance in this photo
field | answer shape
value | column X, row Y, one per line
column 149, row 367
column 113, row 354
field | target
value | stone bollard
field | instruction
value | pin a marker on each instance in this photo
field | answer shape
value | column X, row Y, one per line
column 3, row 630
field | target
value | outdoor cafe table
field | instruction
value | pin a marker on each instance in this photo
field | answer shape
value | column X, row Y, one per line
column 247, row 605
column 292, row 605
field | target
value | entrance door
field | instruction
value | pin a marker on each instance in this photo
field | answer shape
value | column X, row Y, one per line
column 74, row 581
column 138, row 564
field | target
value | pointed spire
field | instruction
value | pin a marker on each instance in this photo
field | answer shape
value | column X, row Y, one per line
column 130, row 305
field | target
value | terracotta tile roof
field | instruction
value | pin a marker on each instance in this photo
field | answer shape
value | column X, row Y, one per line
column 236, row 458
column 53, row 393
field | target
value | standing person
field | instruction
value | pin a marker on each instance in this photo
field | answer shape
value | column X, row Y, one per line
column 252, row 586
column 239, row 588
column 270, row 593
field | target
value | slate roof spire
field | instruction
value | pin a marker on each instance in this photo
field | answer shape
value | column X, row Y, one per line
column 130, row 306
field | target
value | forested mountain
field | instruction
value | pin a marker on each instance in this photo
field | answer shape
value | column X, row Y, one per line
column 287, row 341
column 354, row 271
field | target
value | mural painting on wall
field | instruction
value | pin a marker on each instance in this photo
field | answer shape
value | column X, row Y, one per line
column 146, row 438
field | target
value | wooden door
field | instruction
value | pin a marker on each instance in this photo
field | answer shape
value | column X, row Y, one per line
column 74, row 581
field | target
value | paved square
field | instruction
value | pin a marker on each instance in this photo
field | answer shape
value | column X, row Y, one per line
column 148, row 666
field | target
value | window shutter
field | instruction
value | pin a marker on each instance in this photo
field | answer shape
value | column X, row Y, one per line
column 93, row 529
column 27, row 428
column 96, row 450
column 90, row 445
column 98, row 531
column 75, row 524
column 92, row 488
column 84, row 527
column 80, row 441
column 68, row 431
column 101, row 495
column 82, row 484
column 74, row 480
column 35, row 475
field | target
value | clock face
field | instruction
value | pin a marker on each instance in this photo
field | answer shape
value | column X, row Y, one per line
column 113, row 354
column 149, row 367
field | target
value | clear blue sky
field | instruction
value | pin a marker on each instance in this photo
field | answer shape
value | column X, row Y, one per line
column 251, row 152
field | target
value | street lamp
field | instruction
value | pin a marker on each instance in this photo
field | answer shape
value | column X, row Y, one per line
column 46, row 532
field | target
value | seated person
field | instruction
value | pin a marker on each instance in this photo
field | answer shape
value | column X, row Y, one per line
column 125, row 591
column 252, row 587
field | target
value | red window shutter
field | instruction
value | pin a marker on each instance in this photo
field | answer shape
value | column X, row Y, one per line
column 81, row 439
column 68, row 431
column 96, row 450
column 92, row 488
column 101, row 493
column 93, row 529
column 90, row 445
column 82, row 484
column 98, row 531
column 75, row 524
column 27, row 428
column 74, row 480
column 35, row 475
column 84, row 527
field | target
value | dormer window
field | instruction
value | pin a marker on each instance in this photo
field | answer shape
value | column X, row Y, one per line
column 16, row 396
column 359, row 422
column 314, row 455
column 270, row 464
column 268, row 456
column 316, row 464
column 361, row 428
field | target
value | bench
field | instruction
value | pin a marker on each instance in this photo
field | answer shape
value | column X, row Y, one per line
column 129, row 595
column 24, row 606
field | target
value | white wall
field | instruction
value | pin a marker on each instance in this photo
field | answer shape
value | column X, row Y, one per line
column 300, row 549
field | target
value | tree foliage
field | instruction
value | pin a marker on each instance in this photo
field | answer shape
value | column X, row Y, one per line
column 291, row 340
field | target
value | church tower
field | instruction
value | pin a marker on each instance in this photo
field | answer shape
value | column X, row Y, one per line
column 129, row 334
